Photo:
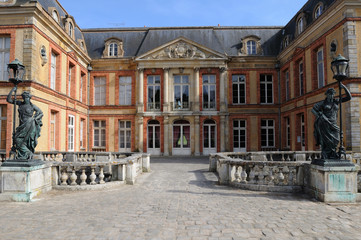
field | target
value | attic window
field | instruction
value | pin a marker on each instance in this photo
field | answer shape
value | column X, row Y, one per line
column 318, row 10
column 71, row 29
column 300, row 23
column 113, row 48
column 251, row 45
column 55, row 15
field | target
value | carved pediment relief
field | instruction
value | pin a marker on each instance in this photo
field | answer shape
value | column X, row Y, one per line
column 181, row 49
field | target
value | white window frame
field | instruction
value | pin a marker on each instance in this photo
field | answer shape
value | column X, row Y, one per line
column 240, row 136
column 113, row 49
column 53, row 135
column 209, row 148
column 153, row 105
column 53, row 71
column 127, row 137
column 184, row 84
column 251, row 47
column 81, row 133
column 239, row 83
column 267, row 135
column 55, row 15
column 69, row 78
column 320, row 68
column 81, row 87
column 99, row 91
column 4, row 57
column 300, row 25
column 301, row 77
column 211, row 83
column 318, row 11
column 101, row 138
column 267, row 84
column 71, row 132
column 125, row 90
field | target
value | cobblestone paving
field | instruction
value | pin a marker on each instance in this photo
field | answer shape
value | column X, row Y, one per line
column 179, row 199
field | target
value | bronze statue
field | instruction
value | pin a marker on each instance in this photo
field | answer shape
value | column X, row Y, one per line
column 27, row 133
column 326, row 131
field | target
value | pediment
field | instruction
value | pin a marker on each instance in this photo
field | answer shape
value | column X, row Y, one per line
column 181, row 48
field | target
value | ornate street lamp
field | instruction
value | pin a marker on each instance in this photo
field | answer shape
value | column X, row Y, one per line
column 339, row 67
column 16, row 72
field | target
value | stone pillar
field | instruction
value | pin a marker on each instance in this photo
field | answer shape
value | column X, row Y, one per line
column 140, row 106
column 352, row 121
column 226, row 134
column 222, row 132
column 146, row 163
column 196, row 137
column 166, row 136
column 140, row 130
column 196, row 107
column 131, row 172
column 350, row 45
column 223, row 89
column 165, row 90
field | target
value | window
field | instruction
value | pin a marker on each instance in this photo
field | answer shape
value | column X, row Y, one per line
column 209, row 91
column 153, row 92
column 71, row 29
column 266, row 88
column 54, row 14
column 82, row 84
column 181, row 92
column 300, row 25
column 99, row 91
column 53, row 71
column 267, row 133
column 125, row 90
column 239, row 135
column 99, row 134
column 125, row 130
column 209, row 134
column 113, row 50
column 288, row 132
column 287, row 85
column 320, row 68
column 153, row 134
column 4, row 57
column 251, row 47
column 303, row 136
column 71, row 120
column 239, row 89
column 3, row 123
column 53, row 127
column 70, row 76
column 181, row 134
column 300, row 78
column 81, row 133
column 318, row 11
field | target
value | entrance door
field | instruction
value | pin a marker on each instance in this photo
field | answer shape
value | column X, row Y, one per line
column 209, row 137
column 181, row 138
column 239, row 136
column 125, row 136
column 153, row 141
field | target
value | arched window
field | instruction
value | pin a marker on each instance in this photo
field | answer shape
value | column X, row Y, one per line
column 71, row 29
column 113, row 50
column 318, row 10
column 54, row 14
column 251, row 47
column 300, row 25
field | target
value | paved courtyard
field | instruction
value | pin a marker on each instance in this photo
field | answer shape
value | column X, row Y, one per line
column 179, row 199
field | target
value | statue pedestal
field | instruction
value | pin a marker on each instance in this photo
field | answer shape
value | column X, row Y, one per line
column 333, row 184
column 22, row 181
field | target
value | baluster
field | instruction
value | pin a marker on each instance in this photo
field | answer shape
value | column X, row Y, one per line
column 64, row 177
column 261, row 177
column 288, row 158
column 271, row 156
column 92, row 176
column 73, row 177
column 309, row 157
column 237, row 175
column 243, row 175
column 101, row 175
column 270, row 176
column 283, row 157
column 251, row 176
column 83, row 177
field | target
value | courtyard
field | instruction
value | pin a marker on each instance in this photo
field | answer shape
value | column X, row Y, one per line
column 178, row 199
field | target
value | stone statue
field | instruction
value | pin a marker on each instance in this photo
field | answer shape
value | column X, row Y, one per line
column 27, row 133
column 326, row 131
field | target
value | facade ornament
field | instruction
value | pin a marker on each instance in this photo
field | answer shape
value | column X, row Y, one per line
column 180, row 50
column 43, row 56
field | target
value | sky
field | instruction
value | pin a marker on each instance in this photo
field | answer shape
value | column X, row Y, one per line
column 181, row 13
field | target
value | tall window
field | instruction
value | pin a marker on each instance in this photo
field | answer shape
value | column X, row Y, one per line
column 153, row 134
column 300, row 77
column 300, row 25
column 71, row 29
column 153, row 92
column 251, row 47
column 125, row 136
column 239, row 135
column 113, row 50
column 3, row 127
column 53, row 127
column 53, row 71
column 181, row 134
column 239, row 89
column 318, row 11
column 99, row 91
column 82, row 79
column 71, row 69
column 320, row 68
column 288, row 132
column 209, row 134
column 267, row 133
column 209, row 91
column 99, row 134
column 181, row 92
column 125, row 90
column 4, row 57
column 54, row 14
column 71, row 121
column 266, row 88
column 303, row 136
column 287, row 85
column 81, row 133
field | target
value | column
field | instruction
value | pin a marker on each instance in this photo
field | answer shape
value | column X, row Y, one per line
column 140, row 104
column 140, row 130
column 165, row 90
column 222, row 132
column 223, row 89
column 196, row 137
column 166, row 136
column 196, row 107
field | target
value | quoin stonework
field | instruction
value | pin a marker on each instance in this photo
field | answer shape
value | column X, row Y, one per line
column 179, row 90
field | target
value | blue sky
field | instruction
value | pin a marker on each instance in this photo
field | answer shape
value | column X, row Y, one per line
column 168, row 13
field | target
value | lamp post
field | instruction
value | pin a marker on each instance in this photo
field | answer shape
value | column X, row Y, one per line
column 339, row 67
column 16, row 71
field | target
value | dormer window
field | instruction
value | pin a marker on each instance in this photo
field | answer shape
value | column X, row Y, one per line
column 251, row 45
column 318, row 10
column 113, row 48
column 300, row 25
column 71, row 29
column 55, row 15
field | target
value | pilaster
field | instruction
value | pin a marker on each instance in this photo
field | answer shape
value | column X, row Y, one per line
column 223, row 89
column 166, row 136
column 196, row 107
column 165, row 91
column 140, row 105
column 196, row 137
column 223, row 133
